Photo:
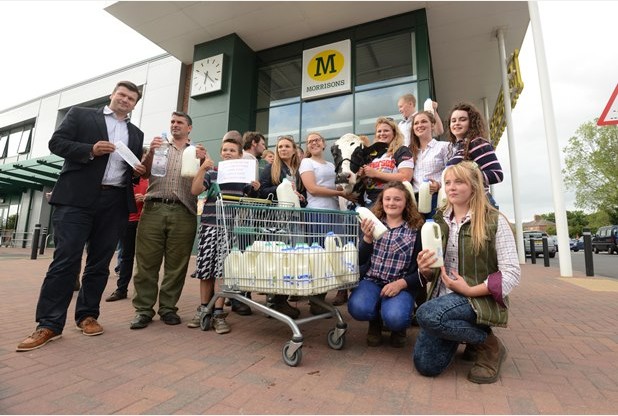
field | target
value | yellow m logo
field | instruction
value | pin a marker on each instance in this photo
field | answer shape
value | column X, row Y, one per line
column 325, row 65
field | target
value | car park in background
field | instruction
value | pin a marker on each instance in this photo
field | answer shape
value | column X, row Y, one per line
column 606, row 239
column 576, row 244
column 537, row 236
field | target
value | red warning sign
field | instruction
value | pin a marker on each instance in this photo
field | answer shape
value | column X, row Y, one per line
column 610, row 114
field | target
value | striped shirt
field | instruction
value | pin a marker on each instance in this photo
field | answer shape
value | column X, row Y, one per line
column 481, row 152
column 172, row 185
column 506, row 250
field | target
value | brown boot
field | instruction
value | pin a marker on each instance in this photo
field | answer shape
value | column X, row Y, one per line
column 470, row 353
column 491, row 354
column 374, row 335
column 398, row 338
column 341, row 297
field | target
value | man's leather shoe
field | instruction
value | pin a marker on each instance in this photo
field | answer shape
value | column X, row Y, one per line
column 38, row 338
column 116, row 295
column 171, row 318
column 90, row 327
column 140, row 321
column 241, row 308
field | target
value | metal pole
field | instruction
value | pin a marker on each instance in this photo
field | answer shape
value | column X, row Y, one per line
column 43, row 241
column 35, row 241
column 553, row 151
column 588, row 252
column 545, row 252
column 486, row 115
column 519, row 234
column 532, row 251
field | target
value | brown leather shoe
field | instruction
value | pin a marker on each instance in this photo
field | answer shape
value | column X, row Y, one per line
column 90, row 327
column 38, row 338
column 341, row 297
column 398, row 338
column 491, row 354
column 374, row 334
column 116, row 295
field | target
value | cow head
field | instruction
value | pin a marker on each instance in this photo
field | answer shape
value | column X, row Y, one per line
column 348, row 156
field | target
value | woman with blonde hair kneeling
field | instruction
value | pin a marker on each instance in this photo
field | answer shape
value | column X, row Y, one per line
column 469, row 294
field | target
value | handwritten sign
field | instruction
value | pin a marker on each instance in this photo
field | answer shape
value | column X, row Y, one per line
column 237, row 171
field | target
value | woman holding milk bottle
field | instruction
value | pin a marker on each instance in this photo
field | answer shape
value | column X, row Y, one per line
column 469, row 293
column 430, row 157
column 389, row 276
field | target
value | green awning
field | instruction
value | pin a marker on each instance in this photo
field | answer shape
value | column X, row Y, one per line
column 30, row 174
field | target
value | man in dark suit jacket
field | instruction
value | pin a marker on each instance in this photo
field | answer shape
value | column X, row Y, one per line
column 92, row 198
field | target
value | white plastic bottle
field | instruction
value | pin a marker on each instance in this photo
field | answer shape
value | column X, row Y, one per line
column 332, row 247
column 424, row 197
column 285, row 193
column 232, row 266
column 428, row 105
column 159, row 160
column 350, row 259
column 410, row 189
column 442, row 193
column 321, row 269
column 190, row 162
column 303, row 268
column 431, row 237
column 379, row 228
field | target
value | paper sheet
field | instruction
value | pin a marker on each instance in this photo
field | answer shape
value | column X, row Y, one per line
column 126, row 154
column 237, row 171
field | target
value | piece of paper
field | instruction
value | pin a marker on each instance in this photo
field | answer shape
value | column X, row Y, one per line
column 237, row 171
column 126, row 154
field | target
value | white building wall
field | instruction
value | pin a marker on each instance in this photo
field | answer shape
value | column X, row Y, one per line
column 160, row 78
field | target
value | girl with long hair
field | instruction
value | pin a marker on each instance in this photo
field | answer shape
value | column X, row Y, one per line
column 394, row 165
column 389, row 276
column 469, row 294
column 468, row 142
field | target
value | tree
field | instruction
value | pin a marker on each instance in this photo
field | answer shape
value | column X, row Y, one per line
column 591, row 168
column 576, row 221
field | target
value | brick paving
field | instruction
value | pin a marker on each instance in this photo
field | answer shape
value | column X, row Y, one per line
column 562, row 342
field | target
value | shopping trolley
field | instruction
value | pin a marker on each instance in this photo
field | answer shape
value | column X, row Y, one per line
column 272, row 248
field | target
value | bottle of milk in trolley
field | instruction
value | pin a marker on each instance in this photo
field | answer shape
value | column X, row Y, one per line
column 431, row 237
column 232, row 266
column 321, row 268
column 332, row 247
column 303, row 267
column 424, row 197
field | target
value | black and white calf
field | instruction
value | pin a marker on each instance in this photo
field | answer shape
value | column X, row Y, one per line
column 350, row 153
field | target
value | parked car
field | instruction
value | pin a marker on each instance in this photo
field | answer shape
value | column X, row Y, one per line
column 537, row 236
column 576, row 244
column 606, row 239
column 555, row 239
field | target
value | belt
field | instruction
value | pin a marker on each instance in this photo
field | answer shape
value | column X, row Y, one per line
column 164, row 200
column 104, row 187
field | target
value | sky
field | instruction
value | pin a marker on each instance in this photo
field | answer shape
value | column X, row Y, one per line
column 49, row 45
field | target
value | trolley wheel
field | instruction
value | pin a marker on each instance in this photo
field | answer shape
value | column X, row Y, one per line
column 205, row 322
column 294, row 359
column 333, row 342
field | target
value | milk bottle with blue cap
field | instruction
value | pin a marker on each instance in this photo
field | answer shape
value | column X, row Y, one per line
column 232, row 266
column 303, row 267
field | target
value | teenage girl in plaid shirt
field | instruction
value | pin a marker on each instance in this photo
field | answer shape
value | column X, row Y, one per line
column 389, row 277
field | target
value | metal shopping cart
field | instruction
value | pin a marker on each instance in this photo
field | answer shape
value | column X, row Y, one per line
column 275, row 249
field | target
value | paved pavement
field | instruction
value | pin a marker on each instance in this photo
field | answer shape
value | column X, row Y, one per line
column 562, row 342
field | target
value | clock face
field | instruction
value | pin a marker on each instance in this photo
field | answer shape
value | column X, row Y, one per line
column 207, row 75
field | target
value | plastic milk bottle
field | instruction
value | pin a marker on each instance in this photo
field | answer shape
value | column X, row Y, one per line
column 424, row 197
column 431, row 237
column 442, row 193
column 321, row 267
column 350, row 260
column 190, row 162
column 379, row 228
column 285, row 193
column 410, row 189
column 303, row 268
column 232, row 266
column 332, row 247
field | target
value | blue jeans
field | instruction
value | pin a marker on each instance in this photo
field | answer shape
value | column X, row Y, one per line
column 365, row 304
column 445, row 322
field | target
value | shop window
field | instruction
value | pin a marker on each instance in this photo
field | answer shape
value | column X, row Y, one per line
column 4, row 139
column 331, row 117
column 279, row 83
column 384, row 59
column 279, row 121
column 26, row 139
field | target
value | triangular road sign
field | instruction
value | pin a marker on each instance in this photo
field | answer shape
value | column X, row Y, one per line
column 610, row 114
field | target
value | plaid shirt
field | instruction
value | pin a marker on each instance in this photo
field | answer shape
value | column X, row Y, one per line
column 393, row 255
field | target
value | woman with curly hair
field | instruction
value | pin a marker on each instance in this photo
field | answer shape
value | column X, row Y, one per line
column 468, row 142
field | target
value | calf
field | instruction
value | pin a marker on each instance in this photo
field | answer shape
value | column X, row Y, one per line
column 351, row 152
